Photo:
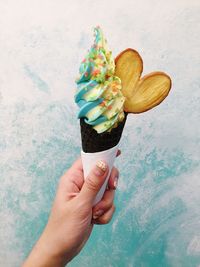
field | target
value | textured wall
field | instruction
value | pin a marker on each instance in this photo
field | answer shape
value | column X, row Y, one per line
column 157, row 220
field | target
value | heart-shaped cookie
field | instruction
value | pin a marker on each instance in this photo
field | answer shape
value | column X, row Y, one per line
column 143, row 93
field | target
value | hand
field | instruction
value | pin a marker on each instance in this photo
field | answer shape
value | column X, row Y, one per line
column 73, row 215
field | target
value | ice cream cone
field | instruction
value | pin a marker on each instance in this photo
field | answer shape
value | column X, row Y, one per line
column 97, row 147
column 89, row 160
column 107, row 91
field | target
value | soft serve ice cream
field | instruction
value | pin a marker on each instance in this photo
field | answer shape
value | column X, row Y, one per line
column 99, row 95
column 101, row 100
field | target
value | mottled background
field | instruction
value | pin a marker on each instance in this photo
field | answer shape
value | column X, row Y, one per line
column 157, row 221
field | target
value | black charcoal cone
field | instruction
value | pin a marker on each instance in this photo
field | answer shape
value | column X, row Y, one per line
column 93, row 142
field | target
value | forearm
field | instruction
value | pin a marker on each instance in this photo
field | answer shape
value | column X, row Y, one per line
column 42, row 256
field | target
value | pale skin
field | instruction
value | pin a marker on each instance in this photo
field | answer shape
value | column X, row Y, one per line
column 73, row 215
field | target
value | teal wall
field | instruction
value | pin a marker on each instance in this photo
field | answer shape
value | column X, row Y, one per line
column 157, row 219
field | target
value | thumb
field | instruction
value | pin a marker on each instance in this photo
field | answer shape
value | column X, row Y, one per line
column 94, row 181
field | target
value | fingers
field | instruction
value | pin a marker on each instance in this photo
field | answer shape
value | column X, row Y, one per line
column 72, row 180
column 77, row 169
column 113, row 179
column 104, row 205
column 78, row 164
column 93, row 182
column 106, row 217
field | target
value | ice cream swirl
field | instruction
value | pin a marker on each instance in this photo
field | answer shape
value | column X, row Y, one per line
column 99, row 95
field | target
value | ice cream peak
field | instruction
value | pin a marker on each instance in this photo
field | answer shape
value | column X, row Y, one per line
column 99, row 95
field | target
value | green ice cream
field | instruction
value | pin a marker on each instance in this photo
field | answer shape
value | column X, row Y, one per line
column 99, row 95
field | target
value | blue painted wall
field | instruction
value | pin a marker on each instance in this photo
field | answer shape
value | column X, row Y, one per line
column 157, row 220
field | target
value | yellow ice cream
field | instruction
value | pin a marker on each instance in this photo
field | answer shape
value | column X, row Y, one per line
column 99, row 93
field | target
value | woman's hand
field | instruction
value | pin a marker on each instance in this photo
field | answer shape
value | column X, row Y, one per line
column 73, row 215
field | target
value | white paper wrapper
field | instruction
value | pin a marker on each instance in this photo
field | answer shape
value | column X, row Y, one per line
column 89, row 160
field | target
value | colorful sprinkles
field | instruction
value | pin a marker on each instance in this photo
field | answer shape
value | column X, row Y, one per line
column 99, row 66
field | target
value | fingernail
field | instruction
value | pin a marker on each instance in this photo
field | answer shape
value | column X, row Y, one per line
column 115, row 182
column 97, row 214
column 101, row 168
